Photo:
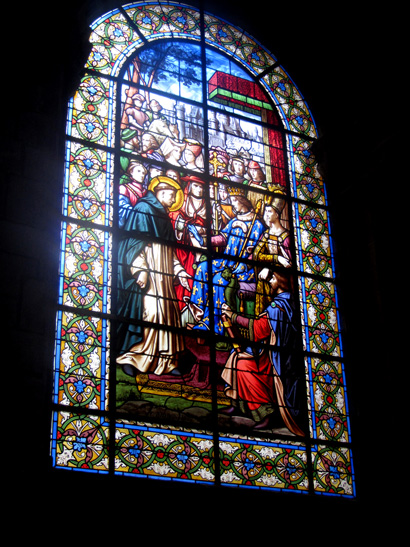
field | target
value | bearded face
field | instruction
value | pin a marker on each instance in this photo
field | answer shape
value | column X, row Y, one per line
column 148, row 142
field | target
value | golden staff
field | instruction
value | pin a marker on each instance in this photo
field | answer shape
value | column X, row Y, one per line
column 228, row 325
column 215, row 163
column 257, row 209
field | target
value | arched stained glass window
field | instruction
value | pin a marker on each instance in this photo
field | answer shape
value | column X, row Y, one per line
column 198, row 335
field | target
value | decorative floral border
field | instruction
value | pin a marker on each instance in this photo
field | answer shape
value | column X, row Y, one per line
column 81, row 369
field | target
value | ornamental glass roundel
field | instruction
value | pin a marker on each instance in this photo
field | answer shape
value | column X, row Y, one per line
column 198, row 335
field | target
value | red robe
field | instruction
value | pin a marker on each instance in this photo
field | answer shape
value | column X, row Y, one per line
column 194, row 215
column 256, row 382
column 133, row 191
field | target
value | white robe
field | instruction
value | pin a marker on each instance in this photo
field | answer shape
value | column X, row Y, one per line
column 157, row 353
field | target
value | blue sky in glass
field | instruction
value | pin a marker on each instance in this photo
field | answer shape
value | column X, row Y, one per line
column 223, row 64
column 218, row 62
column 171, row 82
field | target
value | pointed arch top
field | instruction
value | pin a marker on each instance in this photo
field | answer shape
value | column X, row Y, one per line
column 120, row 32
column 84, row 365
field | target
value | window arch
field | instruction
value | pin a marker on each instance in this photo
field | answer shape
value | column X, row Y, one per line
column 179, row 104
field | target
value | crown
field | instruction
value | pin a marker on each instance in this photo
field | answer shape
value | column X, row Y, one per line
column 235, row 191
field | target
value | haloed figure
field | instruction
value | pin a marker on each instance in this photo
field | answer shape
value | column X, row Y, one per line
column 148, row 267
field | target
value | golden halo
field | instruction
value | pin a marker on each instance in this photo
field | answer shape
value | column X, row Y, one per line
column 179, row 196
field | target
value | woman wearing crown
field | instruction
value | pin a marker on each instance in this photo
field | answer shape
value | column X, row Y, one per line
column 272, row 250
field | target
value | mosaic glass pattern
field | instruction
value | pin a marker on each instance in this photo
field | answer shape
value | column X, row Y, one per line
column 264, row 465
column 198, row 310
column 80, row 442
column 153, row 452
column 82, row 353
column 333, row 471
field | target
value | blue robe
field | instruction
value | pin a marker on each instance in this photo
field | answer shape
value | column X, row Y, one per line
column 282, row 319
column 235, row 237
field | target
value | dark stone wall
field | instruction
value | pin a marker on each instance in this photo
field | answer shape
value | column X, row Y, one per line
column 340, row 62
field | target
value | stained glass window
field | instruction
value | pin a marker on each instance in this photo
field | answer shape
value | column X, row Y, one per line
column 198, row 331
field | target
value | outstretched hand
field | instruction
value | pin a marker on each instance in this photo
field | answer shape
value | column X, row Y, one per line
column 264, row 274
column 183, row 279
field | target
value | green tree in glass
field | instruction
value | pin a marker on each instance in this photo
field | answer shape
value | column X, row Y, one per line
column 155, row 64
